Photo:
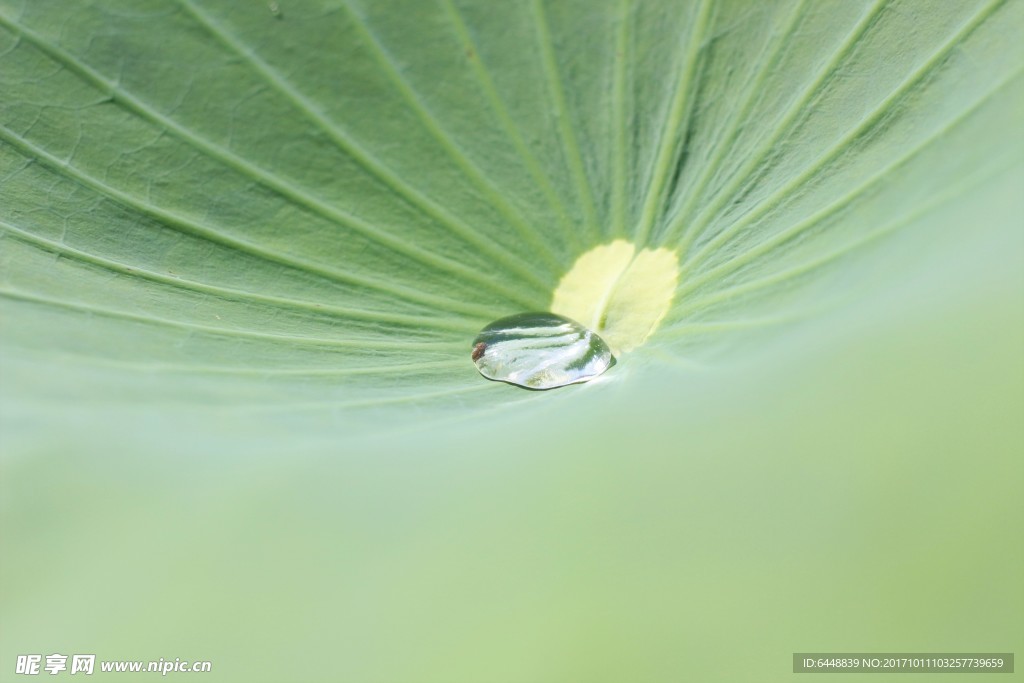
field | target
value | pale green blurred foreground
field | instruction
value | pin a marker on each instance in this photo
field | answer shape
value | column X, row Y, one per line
column 855, row 485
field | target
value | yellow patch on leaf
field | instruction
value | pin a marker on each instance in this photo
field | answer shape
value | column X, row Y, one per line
column 619, row 292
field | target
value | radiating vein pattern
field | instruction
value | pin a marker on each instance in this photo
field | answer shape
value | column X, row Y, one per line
column 321, row 205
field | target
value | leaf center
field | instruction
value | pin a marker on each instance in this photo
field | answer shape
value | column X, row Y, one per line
column 619, row 292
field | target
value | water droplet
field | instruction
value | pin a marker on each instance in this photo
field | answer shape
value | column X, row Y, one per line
column 540, row 351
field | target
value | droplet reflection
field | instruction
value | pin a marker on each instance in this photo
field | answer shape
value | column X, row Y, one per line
column 540, row 351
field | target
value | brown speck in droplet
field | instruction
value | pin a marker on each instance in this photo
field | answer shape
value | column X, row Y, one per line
column 478, row 351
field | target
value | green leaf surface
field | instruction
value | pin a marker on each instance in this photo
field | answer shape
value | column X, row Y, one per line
column 323, row 204
column 234, row 233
